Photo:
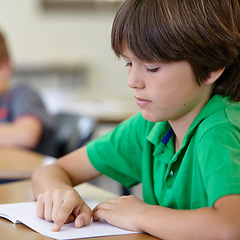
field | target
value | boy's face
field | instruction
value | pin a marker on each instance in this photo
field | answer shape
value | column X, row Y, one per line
column 165, row 91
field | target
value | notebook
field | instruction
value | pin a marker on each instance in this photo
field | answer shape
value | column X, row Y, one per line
column 25, row 213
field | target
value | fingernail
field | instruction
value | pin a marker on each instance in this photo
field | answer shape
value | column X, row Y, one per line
column 55, row 227
column 80, row 223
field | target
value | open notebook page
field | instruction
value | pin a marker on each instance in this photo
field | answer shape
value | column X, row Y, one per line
column 26, row 213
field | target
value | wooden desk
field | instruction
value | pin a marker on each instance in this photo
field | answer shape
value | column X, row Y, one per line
column 21, row 191
column 17, row 163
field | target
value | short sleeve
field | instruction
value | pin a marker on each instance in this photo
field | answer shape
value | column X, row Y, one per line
column 26, row 101
column 219, row 160
column 118, row 154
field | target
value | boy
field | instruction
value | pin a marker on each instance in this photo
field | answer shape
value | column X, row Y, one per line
column 183, row 64
column 24, row 121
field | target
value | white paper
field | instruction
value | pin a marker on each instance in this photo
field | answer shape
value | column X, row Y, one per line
column 26, row 213
column 48, row 160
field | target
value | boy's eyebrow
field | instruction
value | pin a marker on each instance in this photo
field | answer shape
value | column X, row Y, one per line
column 122, row 55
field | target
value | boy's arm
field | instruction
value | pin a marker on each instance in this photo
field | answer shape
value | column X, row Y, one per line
column 56, row 198
column 25, row 131
column 220, row 222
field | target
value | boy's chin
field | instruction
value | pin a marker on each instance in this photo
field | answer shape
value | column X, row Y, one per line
column 152, row 117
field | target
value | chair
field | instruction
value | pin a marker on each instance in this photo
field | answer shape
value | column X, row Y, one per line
column 73, row 131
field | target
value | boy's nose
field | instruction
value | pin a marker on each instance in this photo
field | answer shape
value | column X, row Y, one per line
column 135, row 79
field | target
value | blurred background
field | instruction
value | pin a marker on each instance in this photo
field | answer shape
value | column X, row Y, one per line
column 63, row 49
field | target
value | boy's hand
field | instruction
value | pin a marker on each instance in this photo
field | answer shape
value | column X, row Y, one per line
column 123, row 212
column 63, row 206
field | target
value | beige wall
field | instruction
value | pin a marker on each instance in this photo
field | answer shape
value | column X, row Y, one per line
column 39, row 36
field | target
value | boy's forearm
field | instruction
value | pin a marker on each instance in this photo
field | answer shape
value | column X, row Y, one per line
column 49, row 177
column 204, row 223
column 69, row 170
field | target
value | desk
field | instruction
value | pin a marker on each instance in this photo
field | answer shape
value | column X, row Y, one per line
column 17, row 163
column 21, row 191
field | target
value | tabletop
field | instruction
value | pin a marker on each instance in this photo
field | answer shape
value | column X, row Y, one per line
column 21, row 191
column 19, row 163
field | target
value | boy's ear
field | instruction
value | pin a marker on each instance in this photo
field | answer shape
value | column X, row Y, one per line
column 214, row 76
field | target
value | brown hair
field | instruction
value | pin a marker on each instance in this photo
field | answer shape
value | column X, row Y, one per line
column 4, row 55
column 206, row 33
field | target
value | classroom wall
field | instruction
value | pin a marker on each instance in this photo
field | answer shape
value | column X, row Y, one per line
column 39, row 37
column 80, row 36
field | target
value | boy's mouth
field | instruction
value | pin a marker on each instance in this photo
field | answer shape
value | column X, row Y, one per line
column 142, row 102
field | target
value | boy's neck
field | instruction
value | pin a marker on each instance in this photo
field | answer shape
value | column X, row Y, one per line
column 180, row 127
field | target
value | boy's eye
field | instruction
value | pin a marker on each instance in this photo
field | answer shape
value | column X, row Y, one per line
column 152, row 69
column 129, row 64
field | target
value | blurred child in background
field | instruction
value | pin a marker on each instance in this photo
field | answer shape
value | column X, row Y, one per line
column 24, row 121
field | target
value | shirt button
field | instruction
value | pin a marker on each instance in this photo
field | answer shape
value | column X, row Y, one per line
column 171, row 173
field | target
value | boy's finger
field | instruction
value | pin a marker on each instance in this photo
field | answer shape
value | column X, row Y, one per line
column 83, row 219
column 55, row 210
column 64, row 212
column 84, row 216
column 100, row 214
column 56, row 227
column 48, row 211
column 70, row 218
column 40, row 209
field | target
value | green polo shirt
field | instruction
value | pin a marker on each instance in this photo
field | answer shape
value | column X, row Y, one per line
column 206, row 167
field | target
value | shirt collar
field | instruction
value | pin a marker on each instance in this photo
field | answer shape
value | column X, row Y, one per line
column 213, row 105
column 158, row 132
